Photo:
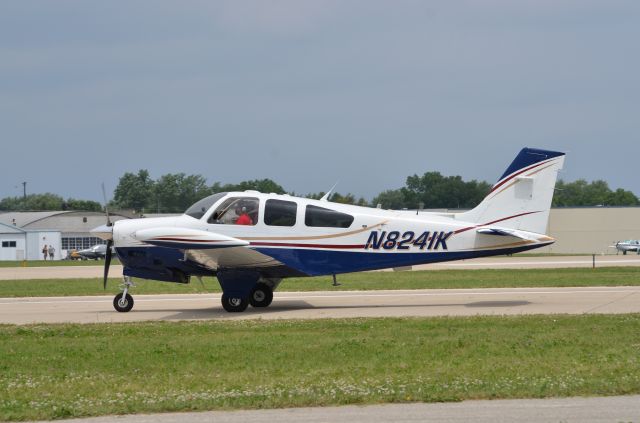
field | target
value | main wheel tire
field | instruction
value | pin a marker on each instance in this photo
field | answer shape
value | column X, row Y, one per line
column 234, row 304
column 123, row 305
column 261, row 296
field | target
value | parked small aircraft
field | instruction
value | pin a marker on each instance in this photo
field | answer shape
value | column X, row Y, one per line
column 250, row 240
column 624, row 246
column 96, row 252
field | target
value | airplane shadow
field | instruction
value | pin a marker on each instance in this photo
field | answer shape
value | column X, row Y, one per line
column 216, row 312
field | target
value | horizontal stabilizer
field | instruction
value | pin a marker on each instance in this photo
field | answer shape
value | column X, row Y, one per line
column 182, row 238
column 505, row 232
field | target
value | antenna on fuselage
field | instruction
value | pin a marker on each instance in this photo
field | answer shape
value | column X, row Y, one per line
column 326, row 196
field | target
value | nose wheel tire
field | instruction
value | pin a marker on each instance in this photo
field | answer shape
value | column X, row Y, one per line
column 261, row 296
column 234, row 304
column 123, row 303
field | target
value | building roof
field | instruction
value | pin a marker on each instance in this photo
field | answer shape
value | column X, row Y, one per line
column 22, row 219
column 69, row 223
column 10, row 229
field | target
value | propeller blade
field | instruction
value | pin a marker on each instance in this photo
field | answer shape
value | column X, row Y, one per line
column 106, row 205
column 107, row 262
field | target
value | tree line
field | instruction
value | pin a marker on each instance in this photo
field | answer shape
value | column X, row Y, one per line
column 47, row 201
column 175, row 192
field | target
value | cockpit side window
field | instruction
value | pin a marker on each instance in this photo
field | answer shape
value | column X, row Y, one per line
column 325, row 218
column 200, row 208
column 280, row 213
column 236, row 211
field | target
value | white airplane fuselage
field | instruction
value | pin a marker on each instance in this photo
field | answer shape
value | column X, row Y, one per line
column 376, row 239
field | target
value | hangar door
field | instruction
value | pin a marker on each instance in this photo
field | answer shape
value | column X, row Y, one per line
column 8, row 250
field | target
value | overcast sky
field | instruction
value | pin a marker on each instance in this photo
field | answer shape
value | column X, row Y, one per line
column 308, row 93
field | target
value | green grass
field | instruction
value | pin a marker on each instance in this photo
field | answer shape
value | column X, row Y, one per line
column 48, row 263
column 484, row 278
column 60, row 371
column 93, row 286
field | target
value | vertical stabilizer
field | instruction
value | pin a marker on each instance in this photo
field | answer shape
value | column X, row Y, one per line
column 521, row 198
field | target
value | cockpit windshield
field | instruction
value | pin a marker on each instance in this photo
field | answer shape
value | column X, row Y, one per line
column 201, row 207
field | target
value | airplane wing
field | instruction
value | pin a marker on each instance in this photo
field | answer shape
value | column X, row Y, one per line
column 210, row 249
column 182, row 238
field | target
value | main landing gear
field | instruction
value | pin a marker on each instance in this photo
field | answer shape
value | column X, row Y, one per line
column 241, row 288
column 123, row 302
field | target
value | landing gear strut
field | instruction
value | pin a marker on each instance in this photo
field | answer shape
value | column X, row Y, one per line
column 123, row 302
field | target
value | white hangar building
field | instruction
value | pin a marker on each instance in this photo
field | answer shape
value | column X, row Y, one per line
column 65, row 230
column 21, row 244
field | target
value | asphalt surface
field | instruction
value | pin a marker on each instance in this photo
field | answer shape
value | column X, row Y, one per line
column 500, row 262
column 330, row 304
column 590, row 410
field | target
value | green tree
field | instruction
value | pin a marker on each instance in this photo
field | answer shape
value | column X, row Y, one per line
column 336, row 197
column 33, row 202
column 175, row 192
column 263, row 185
column 433, row 190
column 621, row 197
column 47, row 201
column 390, row 199
column 596, row 193
column 135, row 191
column 84, row 205
column 12, row 204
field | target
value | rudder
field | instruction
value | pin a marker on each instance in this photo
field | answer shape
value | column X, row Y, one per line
column 521, row 199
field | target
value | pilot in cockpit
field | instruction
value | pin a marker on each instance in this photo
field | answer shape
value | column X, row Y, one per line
column 243, row 216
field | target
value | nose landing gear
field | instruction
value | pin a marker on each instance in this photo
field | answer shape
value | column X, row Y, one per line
column 123, row 302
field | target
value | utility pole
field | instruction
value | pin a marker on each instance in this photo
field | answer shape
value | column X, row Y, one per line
column 24, row 191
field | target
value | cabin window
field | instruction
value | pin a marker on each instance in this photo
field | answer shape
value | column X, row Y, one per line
column 325, row 218
column 280, row 213
column 236, row 211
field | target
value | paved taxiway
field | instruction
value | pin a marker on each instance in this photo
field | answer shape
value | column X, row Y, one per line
column 597, row 409
column 331, row 304
column 501, row 262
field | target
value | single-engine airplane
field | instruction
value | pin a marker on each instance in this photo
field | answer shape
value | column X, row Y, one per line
column 624, row 246
column 96, row 252
column 250, row 240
